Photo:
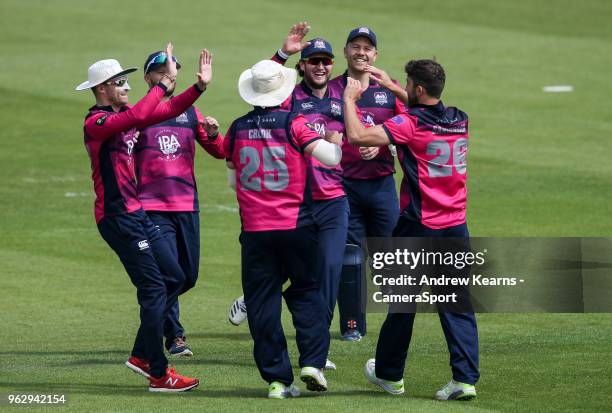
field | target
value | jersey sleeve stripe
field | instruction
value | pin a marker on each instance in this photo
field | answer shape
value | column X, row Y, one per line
column 389, row 134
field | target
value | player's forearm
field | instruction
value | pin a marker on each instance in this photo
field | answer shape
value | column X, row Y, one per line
column 280, row 57
column 397, row 90
column 354, row 128
column 329, row 154
column 211, row 144
column 173, row 107
column 106, row 126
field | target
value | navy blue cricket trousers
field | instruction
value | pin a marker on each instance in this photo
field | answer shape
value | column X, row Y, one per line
column 460, row 329
column 267, row 258
column 152, row 267
column 182, row 230
column 331, row 220
column 374, row 210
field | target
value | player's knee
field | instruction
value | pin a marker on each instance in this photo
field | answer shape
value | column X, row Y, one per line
column 353, row 256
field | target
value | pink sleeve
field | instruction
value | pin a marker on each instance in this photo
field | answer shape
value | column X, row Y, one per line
column 226, row 145
column 400, row 128
column 287, row 103
column 173, row 107
column 302, row 132
column 399, row 107
column 213, row 146
column 103, row 125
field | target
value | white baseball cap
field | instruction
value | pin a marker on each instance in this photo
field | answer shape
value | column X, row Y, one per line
column 103, row 70
column 266, row 84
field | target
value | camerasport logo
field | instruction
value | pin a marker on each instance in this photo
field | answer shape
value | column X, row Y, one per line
column 168, row 145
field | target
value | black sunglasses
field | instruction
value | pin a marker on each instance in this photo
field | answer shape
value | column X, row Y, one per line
column 314, row 61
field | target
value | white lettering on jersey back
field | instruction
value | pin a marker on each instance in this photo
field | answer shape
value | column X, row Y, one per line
column 260, row 134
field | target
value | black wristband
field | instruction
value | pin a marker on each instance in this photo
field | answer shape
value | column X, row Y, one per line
column 197, row 86
column 164, row 87
column 212, row 138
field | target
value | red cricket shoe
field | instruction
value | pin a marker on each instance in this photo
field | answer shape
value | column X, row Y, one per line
column 140, row 366
column 172, row 382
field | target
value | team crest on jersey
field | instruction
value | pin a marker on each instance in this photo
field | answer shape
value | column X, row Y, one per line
column 319, row 44
column 380, row 98
column 336, row 109
column 182, row 118
column 307, row 105
column 168, row 145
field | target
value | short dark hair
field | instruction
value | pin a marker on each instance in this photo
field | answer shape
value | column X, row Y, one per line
column 427, row 73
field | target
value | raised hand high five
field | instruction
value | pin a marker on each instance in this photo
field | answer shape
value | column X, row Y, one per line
column 205, row 69
column 293, row 42
column 169, row 77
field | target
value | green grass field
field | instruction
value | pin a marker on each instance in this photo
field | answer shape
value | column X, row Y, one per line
column 539, row 166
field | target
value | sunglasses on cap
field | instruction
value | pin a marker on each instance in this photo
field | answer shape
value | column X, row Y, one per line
column 158, row 60
column 118, row 82
column 314, row 61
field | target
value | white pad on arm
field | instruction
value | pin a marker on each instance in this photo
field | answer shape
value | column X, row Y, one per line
column 327, row 153
column 231, row 178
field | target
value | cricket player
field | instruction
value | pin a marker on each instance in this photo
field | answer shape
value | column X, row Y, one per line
column 367, row 175
column 265, row 151
column 432, row 142
column 164, row 164
column 111, row 134
column 322, row 107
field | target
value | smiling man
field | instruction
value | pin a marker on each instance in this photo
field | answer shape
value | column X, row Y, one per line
column 167, row 187
column 111, row 135
column 432, row 143
column 367, row 175
column 322, row 107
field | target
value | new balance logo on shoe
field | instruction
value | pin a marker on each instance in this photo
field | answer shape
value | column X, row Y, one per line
column 171, row 382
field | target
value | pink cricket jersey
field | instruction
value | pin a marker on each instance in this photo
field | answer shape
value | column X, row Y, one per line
column 432, row 143
column 326, row 114
column 110, row 139
column 377, row 104
column 164, row 159
column 266, row 146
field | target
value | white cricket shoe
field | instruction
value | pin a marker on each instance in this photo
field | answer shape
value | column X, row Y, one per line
column 278, row 390
column 455, row 390
column 393, row 387
column 314, row 379
column 329, row 365
column 237, row 312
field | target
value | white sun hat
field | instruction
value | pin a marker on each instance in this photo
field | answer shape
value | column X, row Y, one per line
column 103, row 70
column 266, row 84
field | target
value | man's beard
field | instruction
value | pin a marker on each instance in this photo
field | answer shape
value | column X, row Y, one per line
column 412, row 100
column 314, row 85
